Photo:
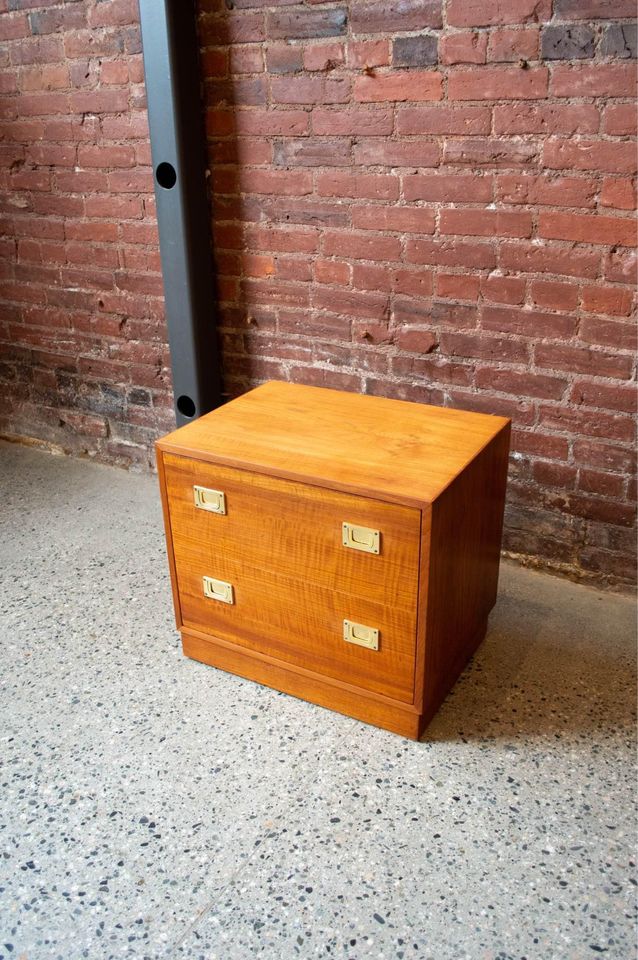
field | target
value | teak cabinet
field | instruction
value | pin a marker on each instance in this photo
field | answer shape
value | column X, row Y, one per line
column 339, row 547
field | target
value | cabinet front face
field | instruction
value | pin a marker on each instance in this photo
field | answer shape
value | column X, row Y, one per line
column 316, row 578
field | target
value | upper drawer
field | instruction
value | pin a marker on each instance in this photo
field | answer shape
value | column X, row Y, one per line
column 297, row 530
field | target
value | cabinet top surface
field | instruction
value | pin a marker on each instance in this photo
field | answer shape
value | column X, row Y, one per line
column 391, row 449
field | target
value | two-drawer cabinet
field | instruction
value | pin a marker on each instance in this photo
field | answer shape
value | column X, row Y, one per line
column 338, row 547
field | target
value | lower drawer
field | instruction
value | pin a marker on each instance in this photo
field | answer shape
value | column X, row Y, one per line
column 301, row 623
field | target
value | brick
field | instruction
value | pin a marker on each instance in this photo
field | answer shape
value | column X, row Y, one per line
column 295, row 184
column 485, row 223
column 512, row 45
column 368, row 53
column 483, row 347
column 433, row 120
column 361, row 247
column 325, row 56
column 103, row 156
column 603, row 455
column 417, row 283
column 244, row 59
column 546, row 190
column 463, row 48
column 313, row 153
column 332, row 271
column 395, row 16
column 341, row 122
column 98, row 101
column 367, row 276
column 588, row 229
column 582, row 360
column 505, row 83
column 448, row 188
column 57, row 20
column 565, row 41
column 527, row 323
column 306, row 24
column 595, row 80
column 116, row 13
column 232, row 28
column 602, row 331
column 617, row 193
column 527, row 257
column 419, row 51
column 616, row 396
column 14, row 26
column 281, row 240
column 458, row 286
column 271, row 122
column 586, row 423
column 366, row 186
column 621, row 266
column 619, row 41
column 620, row 119
column 554, row 474
column 351, row 304
column 546, row 118
column 503, row 289
column 124, row 208
column 310, row 90
column 491, row 153
column 451, row 253
column 399, row 86
column 616, row 301
column 553, row 295
column 283, row 58
column 521, row 383
column 386, row 153
column 393, row 218
column 593, row 9
column 486, row 13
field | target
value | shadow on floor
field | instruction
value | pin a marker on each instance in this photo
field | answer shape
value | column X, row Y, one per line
column 556, row 661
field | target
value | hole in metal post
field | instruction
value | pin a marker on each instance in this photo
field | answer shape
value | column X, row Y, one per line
column 186, row 406
column 166, row 176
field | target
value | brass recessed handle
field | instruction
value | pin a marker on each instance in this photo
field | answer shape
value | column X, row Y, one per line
column 361, row 635
column 361, row 538
column 212, row 500
column 218, row 590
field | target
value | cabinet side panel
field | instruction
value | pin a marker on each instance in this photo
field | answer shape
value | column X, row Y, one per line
column 161, row 474
column 467, row 525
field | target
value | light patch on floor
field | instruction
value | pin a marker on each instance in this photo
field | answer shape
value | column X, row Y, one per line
column 152, row 807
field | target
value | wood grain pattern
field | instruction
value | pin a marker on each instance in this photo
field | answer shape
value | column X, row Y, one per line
column 465, row 546
column 385, row 449
column 280, row 547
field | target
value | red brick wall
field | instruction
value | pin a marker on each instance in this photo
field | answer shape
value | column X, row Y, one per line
column 429, row 199
column 83, row 359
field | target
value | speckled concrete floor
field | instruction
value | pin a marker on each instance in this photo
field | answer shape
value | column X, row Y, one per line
column 151, row 807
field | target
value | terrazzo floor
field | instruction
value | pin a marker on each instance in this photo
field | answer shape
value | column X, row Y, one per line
column 152, row 807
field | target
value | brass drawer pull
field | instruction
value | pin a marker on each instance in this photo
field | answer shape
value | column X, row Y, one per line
column 360, row 634
column 361, row 538
column 218, row 590
column 212, row 500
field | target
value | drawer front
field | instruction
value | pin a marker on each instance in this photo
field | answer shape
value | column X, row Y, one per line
column 290, row 580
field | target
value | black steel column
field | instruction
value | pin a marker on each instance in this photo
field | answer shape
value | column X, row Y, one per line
column 171, row 69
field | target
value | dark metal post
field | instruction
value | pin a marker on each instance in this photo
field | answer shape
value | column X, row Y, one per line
column 169, row 39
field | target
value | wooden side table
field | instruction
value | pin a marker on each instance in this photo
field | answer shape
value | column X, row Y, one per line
column 338, row 547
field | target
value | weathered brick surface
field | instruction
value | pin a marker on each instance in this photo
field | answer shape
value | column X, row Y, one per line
column 438, row 213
